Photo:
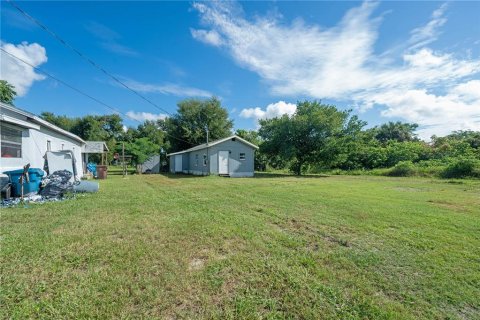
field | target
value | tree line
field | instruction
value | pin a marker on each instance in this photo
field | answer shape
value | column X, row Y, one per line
column 316, row 138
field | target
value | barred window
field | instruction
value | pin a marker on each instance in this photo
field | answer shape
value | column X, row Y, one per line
column 11, row 142
column 242, row 156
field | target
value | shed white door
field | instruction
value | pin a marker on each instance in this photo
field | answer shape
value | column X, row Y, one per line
column 223, row 162
column 178, row 163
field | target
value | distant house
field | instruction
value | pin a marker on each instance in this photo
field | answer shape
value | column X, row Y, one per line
column 232, row 156
column 26, row 137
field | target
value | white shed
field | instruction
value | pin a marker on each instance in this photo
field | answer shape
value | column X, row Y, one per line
column 26, row 137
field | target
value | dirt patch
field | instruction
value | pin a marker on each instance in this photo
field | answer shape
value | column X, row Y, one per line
column 196, row 264
column 303, row 228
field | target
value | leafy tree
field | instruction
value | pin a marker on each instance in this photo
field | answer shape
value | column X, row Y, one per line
column 397, row 131
column 63, row 122
column 141, row 149
column 310, row 136
column 7, row 92
column 193, row 118
column 154, row 130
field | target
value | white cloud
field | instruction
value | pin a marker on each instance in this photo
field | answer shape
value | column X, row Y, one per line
column 210, row 37
column 458, row 109
column 428, row 33
column 142, row 116
column 16, row 72
column 273, row 110
column 168, row 89
column 340, row 63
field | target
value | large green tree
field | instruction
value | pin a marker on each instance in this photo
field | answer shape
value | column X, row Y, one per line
column 7, row 92
column 397, row 131
column 312, row 135
column 194, row 117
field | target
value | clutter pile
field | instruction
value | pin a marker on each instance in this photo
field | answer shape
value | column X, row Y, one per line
column 28, row 185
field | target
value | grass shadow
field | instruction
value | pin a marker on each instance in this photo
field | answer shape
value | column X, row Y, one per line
column 180, row 175
column 261, row 175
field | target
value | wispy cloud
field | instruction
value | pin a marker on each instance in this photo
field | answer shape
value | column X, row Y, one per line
column 428, row 33
column 209, row 37
column 168, row 89
column 340, row 63
column 143, row 116
column 17, row 73
column 109, row 39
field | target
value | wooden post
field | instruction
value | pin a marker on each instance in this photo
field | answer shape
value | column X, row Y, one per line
column 123, row 160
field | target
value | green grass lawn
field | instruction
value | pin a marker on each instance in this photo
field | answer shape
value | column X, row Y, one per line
column 273, row 247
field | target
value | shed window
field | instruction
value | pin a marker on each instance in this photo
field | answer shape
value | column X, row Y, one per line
column 242, row 156
column 204, row 160
column 49, row 145
column 11, row 142
column 196, row 160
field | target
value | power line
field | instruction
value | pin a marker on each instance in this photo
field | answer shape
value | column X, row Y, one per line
column 94, row 64
column 82, row 92
column 83, row 56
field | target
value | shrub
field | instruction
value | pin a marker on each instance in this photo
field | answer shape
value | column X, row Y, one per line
column 462, row 168
column 403, row 169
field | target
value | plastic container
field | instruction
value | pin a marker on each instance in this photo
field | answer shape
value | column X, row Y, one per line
column 102, row 172
column 33, row 186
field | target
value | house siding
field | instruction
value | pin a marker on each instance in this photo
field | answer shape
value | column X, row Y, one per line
column 34, row 146
column 236, row 167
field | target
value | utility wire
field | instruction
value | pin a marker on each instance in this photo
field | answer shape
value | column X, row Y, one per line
column 91, row 62
column 83, row 56
column 82, row 92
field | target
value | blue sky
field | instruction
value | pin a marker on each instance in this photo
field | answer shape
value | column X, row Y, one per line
column 410, row 61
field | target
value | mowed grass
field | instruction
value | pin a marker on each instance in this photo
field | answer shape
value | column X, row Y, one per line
column 272, row 247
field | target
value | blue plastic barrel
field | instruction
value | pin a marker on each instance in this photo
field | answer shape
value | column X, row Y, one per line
column 33, row 186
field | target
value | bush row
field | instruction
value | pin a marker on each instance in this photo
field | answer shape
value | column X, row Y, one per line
column 454, row 169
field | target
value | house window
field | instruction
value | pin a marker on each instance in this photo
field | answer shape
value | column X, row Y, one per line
column 196, row 160
column 242, row 156
column 49, row 145
column 11, row 142
column 204, row 160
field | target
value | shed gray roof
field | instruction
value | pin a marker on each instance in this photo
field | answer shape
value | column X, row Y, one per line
column 205, row 145
column 95, row 147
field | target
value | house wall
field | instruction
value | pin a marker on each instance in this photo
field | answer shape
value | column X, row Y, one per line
column 171, row 164
column 236, row 167
column 199, row 169
column 185, row 163
column 34, row 146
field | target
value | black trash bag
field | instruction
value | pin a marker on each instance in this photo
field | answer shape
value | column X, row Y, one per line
column 57, row 184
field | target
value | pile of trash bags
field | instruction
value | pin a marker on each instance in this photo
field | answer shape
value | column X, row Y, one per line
column 55, row 187
column 57, row 184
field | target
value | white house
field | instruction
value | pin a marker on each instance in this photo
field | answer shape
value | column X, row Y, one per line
column 26, row 137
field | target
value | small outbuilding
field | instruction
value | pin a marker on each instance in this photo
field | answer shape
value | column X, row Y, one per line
column 232, row 156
